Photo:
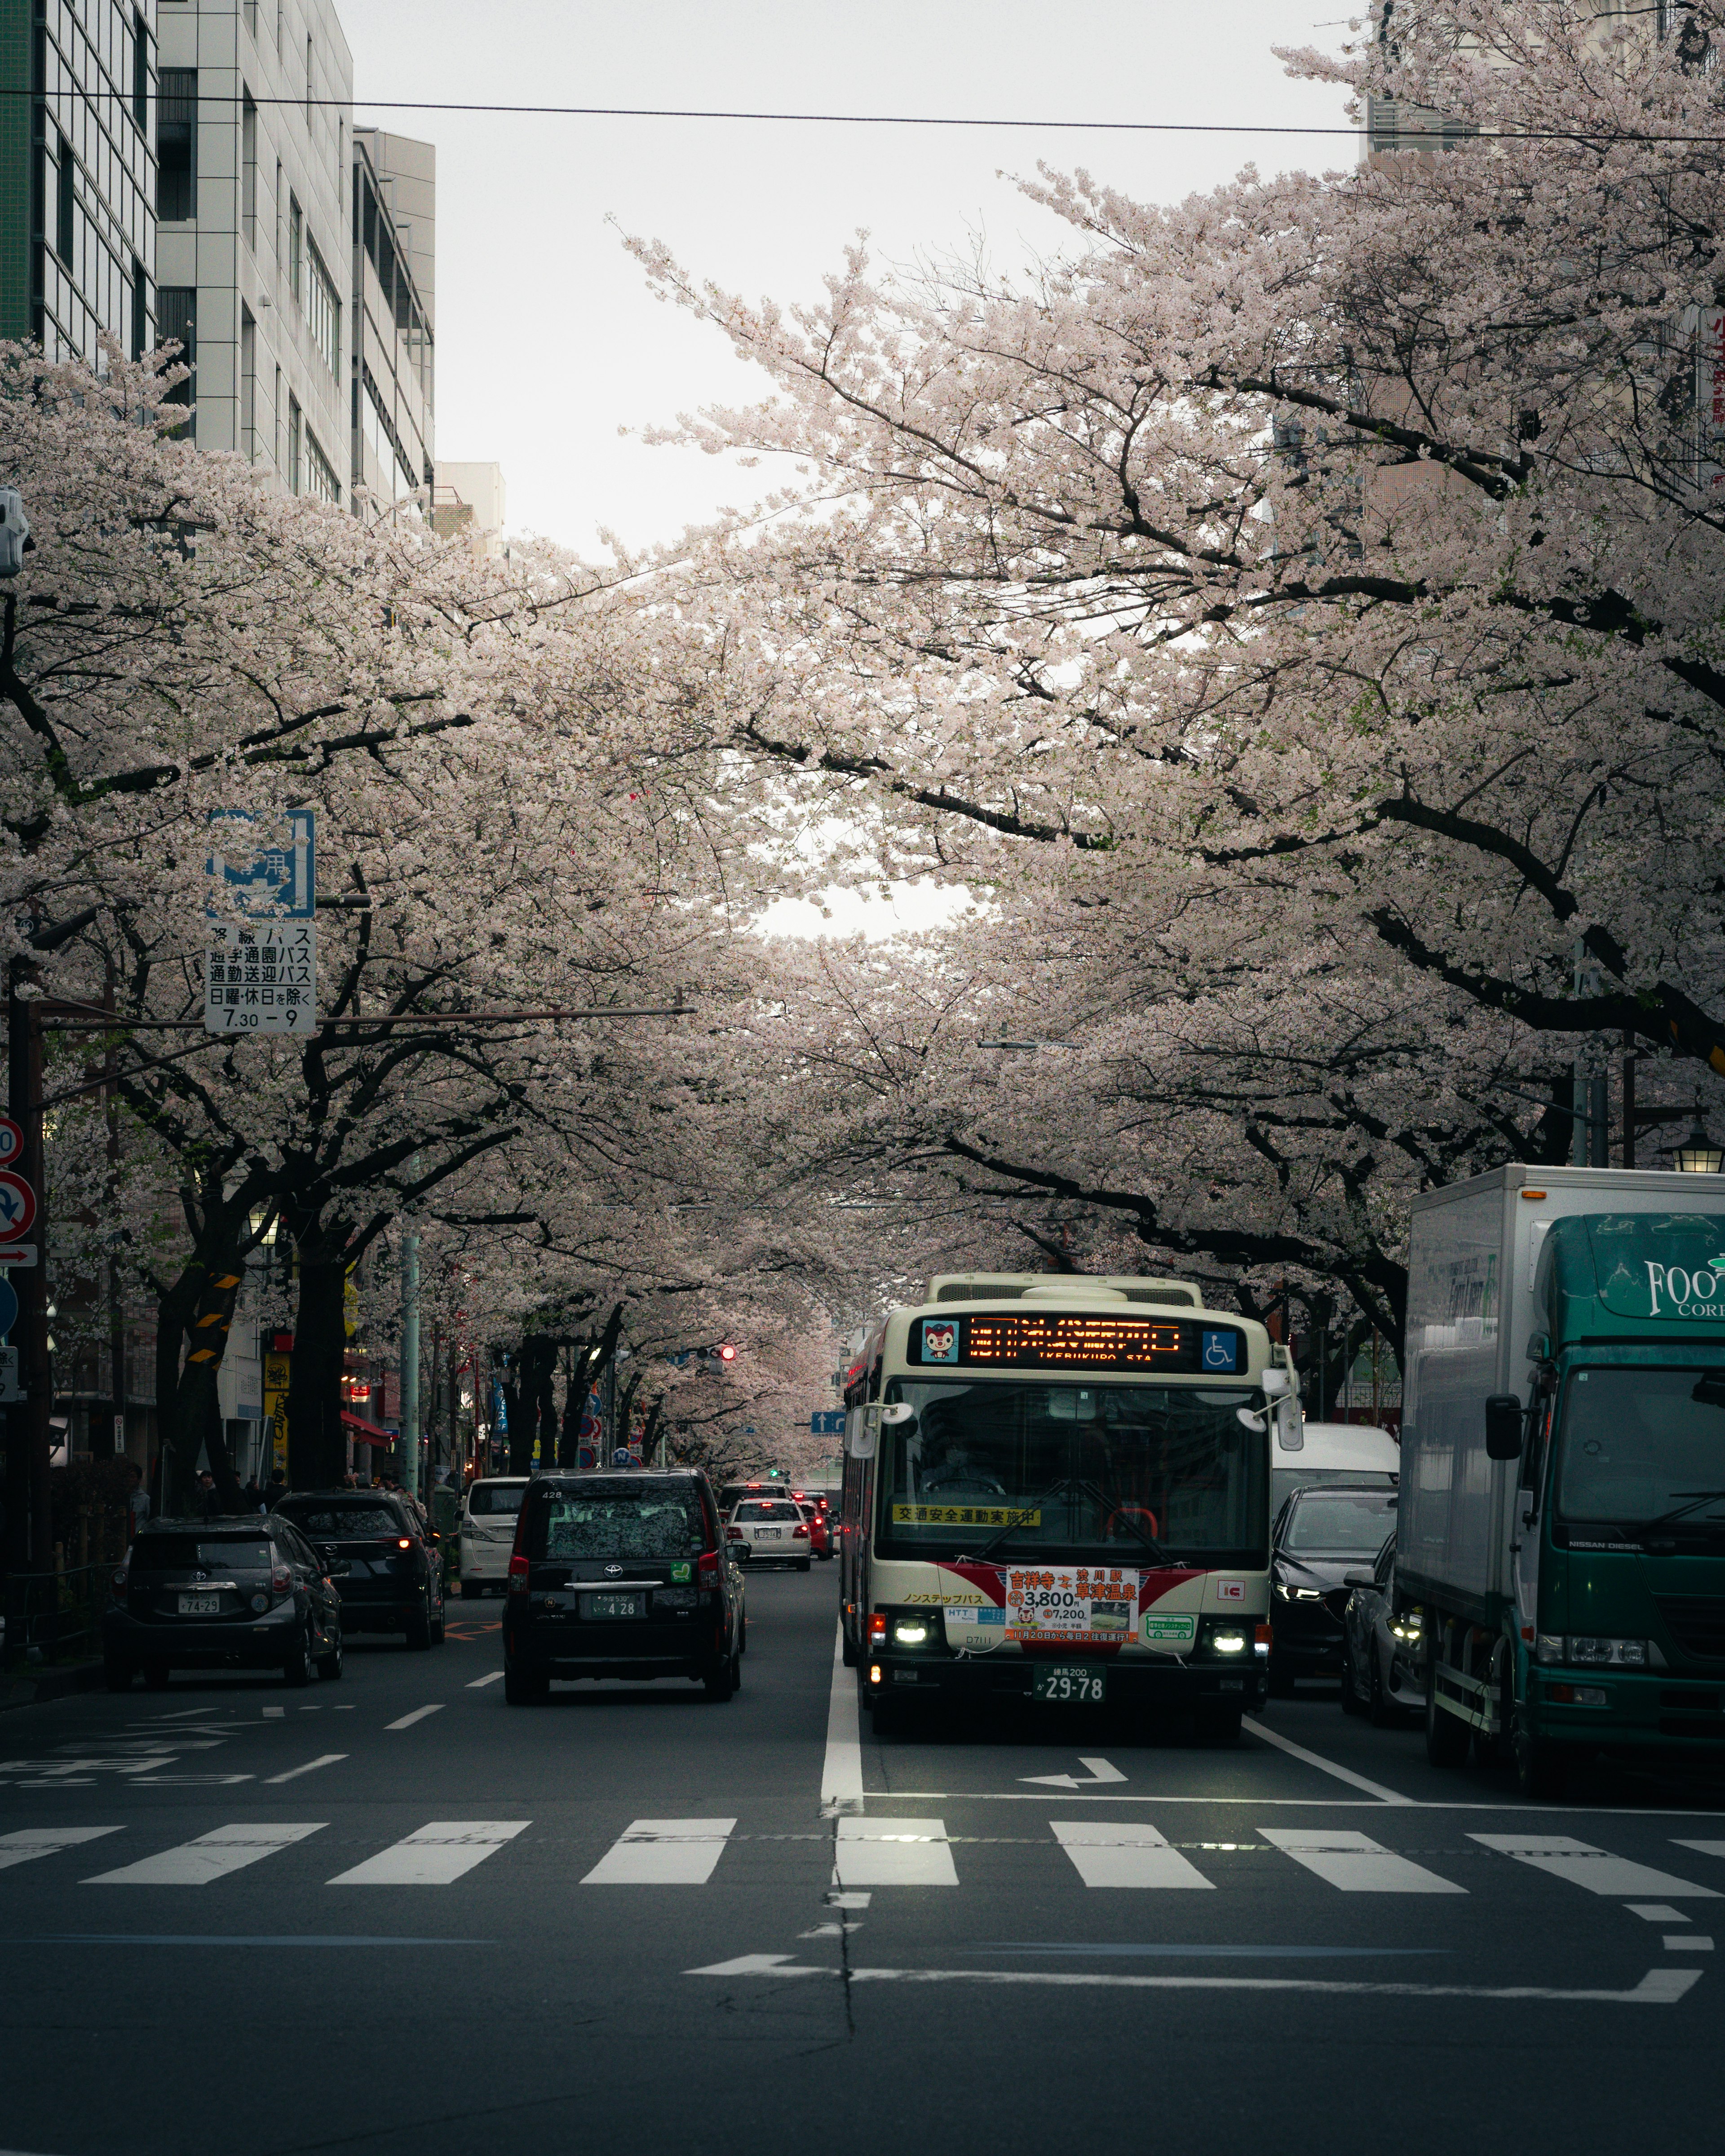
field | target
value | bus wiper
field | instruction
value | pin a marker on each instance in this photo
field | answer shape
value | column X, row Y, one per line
column 1696, row 1498
column 1021, row 1515
column 1131, row 1520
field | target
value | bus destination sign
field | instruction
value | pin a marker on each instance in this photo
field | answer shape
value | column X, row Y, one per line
column 1076, row 1340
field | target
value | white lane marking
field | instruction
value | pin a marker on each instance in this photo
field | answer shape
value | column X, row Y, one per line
column 433, row 1855
column 841, row 1783
column 1659, row 1987
column 1703, row 1848
column 492, row 1676
column 310, row 1767
column 30, row 1842
column 1688, row 1942
column 663, row 1853
column 212, row 1856
column 1100, row 1771
column 274, row 1713
column 1354, row 1862
column 847, row 1901
column 1657, row 1913
column 1642, row 1813
column 1596, row 1869
column 1324, row 1766
column 1124, row 1853
column 892, row 1852
column 419, row 1714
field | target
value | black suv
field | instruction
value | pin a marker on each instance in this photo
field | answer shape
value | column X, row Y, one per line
column 622, row 1576
column 383, row 1556
column 213, row 1594
column 1320, row 1534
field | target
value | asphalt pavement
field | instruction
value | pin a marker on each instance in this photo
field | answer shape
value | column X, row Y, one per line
column 392, row 1914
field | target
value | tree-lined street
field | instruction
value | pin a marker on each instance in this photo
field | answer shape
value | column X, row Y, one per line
column 629, row 1915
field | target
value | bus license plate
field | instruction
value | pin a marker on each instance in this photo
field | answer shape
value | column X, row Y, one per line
column 613, row 1605
column 1069, row 1683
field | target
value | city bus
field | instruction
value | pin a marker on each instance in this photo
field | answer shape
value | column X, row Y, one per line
column 1057, row 1489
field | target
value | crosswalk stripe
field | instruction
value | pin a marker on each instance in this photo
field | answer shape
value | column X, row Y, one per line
column 1124, row 1853
column 212, row 1855
column 45, row 1841
column 1596, row 1869
column 1704, row 1848
column 892, row 1852
column 1354, row 1862
column 663, row 1853
column 435, row 1854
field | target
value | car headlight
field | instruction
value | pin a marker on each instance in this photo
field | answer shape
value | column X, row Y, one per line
column 1281, row 1591
column 1307, row 1595
column 1409, row 1628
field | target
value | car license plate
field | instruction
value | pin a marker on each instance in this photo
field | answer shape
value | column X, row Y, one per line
column 769, row 1534
column 200, row 1606
column 613, row 1605
column 1074, row 1684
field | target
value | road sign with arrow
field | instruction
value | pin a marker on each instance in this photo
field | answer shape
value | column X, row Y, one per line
column 17, row 1205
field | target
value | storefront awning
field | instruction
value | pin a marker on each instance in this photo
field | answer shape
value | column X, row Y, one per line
column 366, row 1433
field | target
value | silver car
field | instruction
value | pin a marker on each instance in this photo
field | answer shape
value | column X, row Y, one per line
column 1382, row 1646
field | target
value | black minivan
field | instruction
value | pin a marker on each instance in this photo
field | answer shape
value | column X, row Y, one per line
column 622, row 1576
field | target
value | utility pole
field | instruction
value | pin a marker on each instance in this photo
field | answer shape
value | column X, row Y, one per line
column 411, row 1478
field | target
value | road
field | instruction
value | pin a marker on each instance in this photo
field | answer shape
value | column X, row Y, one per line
column 391, row 1915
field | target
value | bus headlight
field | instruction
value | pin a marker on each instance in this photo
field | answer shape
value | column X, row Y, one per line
column 1228, row 1643
column 910, row 1632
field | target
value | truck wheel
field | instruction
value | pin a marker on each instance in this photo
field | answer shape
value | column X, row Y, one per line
column 1542, row 1766
column 847, row 1650
column 1447, row 1736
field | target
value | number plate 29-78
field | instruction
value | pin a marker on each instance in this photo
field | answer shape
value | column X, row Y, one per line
column 1072, row 1684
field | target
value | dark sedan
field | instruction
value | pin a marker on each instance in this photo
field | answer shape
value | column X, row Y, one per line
column 383, row 1556
column 1321, row 1533
column 215, row 1594
column 622, row 1576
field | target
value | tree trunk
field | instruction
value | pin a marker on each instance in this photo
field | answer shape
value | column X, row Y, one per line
column 316, row 1448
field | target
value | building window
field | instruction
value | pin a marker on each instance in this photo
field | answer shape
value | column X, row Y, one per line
column 248, row 384
column 66, row 205
column 248, row 167
column 294, row 431
column 140, row 309
column 176, row 146
column 323, row 309
column 140, row 71
column 177, row 318
column 308, row 80
column 251, row 20
column 296, row 247
column 320, row 479
column 276, row 213
column 280, row 13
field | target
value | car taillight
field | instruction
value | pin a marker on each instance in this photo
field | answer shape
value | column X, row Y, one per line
column 706, row 1571
column 280, row 1579
column 404, row 1542
column 517, row 1575
column 877, row 1628
column 799, row 1530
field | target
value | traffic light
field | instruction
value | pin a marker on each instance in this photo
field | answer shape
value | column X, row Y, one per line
column 728, row 1353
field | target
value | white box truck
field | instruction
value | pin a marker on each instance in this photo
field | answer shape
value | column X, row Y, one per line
column 1561, row 1525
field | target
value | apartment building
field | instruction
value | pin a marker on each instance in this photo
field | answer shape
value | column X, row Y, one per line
column 392, row 364
column 254, row 138
column 468, row 503
column 78, row 174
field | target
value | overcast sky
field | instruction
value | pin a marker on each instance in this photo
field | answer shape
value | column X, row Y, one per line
column 547, row 342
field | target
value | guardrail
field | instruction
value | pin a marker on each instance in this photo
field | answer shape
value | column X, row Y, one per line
column 54, row 1616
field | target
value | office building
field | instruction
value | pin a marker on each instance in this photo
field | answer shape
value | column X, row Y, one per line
column 391, row 365
column 255, row 140
column 470, row 502
column 77, row 175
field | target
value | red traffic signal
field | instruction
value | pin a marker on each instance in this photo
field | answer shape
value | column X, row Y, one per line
column 728, row 1353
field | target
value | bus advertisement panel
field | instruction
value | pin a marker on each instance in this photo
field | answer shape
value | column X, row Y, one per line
column 1061, row 1499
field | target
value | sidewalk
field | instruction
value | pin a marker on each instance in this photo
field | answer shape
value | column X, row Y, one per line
column 31, row 1687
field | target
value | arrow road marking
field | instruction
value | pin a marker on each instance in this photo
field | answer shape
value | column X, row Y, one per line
column 1100, row 1771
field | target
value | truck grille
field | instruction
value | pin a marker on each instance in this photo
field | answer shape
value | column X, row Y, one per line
column 1697, row 1624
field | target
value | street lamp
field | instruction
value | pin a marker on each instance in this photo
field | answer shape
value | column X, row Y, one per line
column 1698, row 1155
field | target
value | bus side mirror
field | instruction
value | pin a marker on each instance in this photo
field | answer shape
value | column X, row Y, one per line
column 1503, row 1427
column 865, row 1432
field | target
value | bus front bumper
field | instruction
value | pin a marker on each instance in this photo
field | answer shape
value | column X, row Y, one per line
column 1149, row 1681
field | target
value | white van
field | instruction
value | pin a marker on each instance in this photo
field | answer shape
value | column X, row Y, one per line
column 1305, row 1452
column 488, row 1518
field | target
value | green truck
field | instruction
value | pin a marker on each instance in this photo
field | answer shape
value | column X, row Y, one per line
column 1561, row 1524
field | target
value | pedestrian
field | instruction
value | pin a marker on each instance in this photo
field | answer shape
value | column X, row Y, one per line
column 253, row 1495
column 207, row 1503
column 137, row 1499
column 275, row 1490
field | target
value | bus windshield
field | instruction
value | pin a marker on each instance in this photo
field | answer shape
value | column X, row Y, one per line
column 1149, row 1473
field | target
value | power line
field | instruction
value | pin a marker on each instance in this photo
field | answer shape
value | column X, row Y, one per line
column 1436, row 133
